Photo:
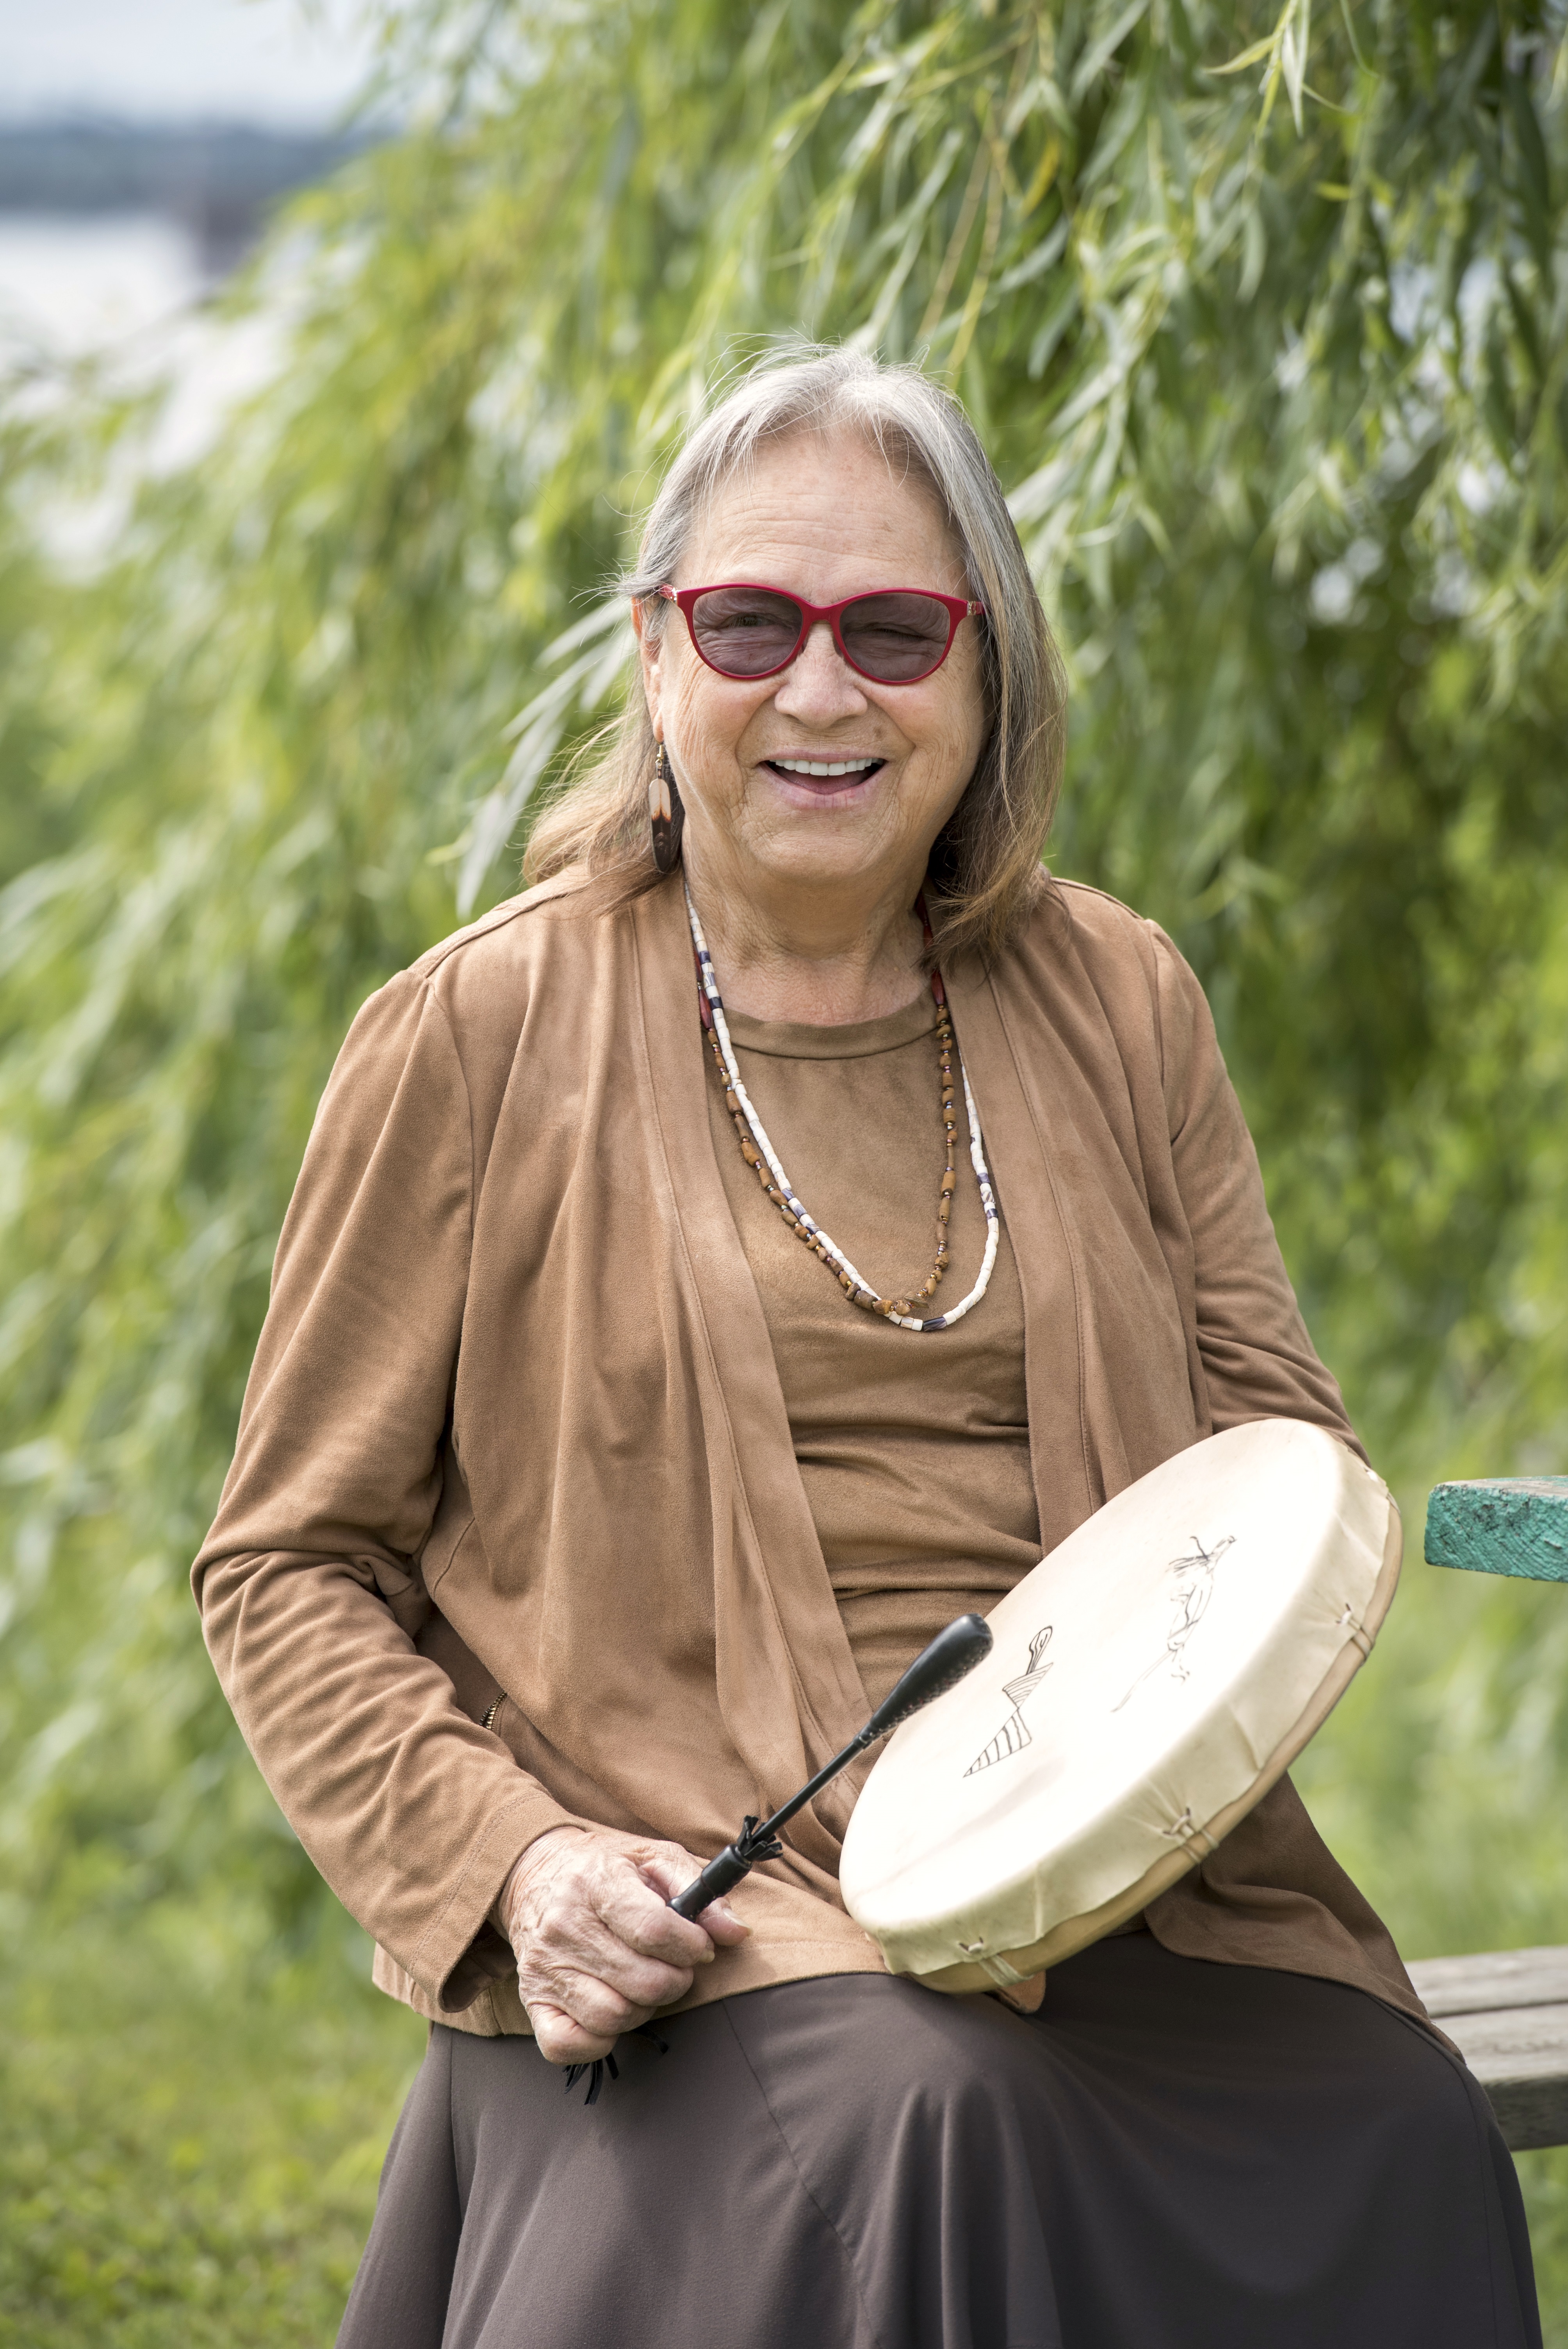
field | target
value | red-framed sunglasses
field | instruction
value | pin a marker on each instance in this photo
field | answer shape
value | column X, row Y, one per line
column 895, row 636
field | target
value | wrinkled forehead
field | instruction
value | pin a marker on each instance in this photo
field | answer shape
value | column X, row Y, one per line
column 822, row 503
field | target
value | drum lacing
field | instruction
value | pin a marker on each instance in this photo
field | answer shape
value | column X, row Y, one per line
column 1349, row 1621
column 1000, row 1972
column 1190, row 1834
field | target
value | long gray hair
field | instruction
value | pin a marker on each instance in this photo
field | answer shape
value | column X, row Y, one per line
column 986, row 864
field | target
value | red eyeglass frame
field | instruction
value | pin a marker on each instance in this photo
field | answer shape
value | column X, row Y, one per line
column 958, row 607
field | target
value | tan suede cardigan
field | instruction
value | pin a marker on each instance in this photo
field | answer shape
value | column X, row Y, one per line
column 514, row 1437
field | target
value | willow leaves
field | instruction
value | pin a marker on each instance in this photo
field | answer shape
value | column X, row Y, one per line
column 1264, row 314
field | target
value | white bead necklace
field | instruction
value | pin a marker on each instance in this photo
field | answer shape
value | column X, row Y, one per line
column 781, row 1191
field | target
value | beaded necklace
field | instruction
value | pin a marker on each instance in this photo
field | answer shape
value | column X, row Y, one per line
column 758, row 1153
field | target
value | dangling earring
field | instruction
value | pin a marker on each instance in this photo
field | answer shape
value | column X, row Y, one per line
column 666, row 815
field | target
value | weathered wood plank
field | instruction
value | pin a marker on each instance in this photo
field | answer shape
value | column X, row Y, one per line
column 1507, row 2013
column 1521, row 2058
column 1502, row 1524
column 1491, row 1980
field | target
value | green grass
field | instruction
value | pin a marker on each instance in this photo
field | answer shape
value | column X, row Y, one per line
column 183, row 2166
column 1544, row 2178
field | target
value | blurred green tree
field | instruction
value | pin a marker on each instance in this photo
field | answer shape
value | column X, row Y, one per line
column 1264, row 314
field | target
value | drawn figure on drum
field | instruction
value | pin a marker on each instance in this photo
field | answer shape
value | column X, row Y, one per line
column 1014, row 1734
column 1191, row 1602
column 714, row 1273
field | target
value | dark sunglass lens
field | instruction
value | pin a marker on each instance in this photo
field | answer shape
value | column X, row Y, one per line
column 745, row 631
column 895, row 637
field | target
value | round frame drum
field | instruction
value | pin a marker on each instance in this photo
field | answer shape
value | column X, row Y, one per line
column 1149, row 1682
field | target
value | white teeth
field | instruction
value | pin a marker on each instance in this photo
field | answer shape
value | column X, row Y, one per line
column 823, row 766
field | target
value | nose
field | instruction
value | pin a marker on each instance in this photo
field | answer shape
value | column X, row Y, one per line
column 818, row 685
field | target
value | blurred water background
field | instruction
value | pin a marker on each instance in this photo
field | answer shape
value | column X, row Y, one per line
column 307, row 502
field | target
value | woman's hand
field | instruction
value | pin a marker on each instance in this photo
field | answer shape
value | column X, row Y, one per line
column 598, row 1950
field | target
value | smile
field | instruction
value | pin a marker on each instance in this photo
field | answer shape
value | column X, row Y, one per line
column 814, row 768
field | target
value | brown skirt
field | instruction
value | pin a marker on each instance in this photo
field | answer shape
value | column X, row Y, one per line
column 1172, row 2153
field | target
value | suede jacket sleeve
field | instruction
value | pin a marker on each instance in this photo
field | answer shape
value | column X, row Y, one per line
column 309, row 1581
column 1258, row 1360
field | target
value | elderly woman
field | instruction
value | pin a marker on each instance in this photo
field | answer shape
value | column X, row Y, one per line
column 579, row 1510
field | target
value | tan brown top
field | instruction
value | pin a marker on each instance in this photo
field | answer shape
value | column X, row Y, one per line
column 915, row 1452
column 515, row 1431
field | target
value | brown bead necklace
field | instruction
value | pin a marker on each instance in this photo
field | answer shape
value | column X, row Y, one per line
column 760, row 1156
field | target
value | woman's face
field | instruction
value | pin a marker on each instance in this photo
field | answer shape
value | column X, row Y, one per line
column 823, row 521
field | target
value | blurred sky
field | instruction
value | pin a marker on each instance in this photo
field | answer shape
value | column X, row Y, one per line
column 274, row 61
column 129, row 284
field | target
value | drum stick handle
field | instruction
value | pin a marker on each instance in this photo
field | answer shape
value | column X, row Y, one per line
column 719, row 1877
column 757, row 1840
column 954, row 1653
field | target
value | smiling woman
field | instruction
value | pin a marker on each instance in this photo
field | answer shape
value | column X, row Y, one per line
column 577, row 1510
column 814, row 789
column 811, row 485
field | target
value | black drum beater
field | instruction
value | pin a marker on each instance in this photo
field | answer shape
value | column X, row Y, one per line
column 952, row 1652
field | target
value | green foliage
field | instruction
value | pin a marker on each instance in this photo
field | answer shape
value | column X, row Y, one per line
column 189, row 2166
column 1264, row 314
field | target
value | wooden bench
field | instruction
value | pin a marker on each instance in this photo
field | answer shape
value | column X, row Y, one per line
column 1506, row 2009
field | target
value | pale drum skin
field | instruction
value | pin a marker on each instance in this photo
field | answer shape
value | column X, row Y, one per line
column 805, row 884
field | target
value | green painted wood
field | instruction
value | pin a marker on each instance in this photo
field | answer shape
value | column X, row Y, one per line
column 1502, row 1524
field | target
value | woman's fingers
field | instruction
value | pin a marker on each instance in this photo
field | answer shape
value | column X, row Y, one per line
column 598, row 1947
column 598, row 2011
column 563, row 2039
column 622, row 1921
column 576, row 1923
column 633, row 1897
column 580, row 1942
column 669, row 1870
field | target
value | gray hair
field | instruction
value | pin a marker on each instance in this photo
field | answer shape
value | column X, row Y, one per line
column 985, row 864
